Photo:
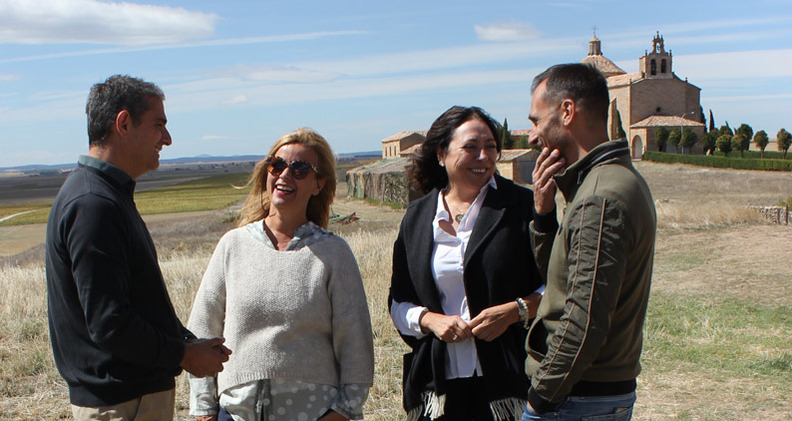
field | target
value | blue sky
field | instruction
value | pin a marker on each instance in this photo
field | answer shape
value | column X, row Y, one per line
column 238, row 74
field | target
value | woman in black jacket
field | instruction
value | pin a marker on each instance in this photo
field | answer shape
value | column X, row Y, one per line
column 464, row 282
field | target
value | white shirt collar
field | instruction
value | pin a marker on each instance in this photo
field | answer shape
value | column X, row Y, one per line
column 469, row 219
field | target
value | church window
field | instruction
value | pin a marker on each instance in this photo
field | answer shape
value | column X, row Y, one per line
column 653, row 70
column 663, row 66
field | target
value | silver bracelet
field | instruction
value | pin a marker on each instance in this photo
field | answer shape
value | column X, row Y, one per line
column 525, row 315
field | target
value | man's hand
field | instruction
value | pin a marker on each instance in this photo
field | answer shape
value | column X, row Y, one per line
column 206, row 418
column 205, row 357
column 493, row 321
column 446, row 328
column 548, row 164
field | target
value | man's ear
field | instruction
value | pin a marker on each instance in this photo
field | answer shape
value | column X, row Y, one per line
column 568, row 111
column 123, row 122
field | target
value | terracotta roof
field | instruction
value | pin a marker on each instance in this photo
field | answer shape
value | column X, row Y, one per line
column 520, row 132
column 666, row 121
column 604, row 65
column 512, row 154
column 625, row 79
column 402, row 135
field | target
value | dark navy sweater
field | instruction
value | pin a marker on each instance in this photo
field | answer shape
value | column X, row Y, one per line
column 115, row 335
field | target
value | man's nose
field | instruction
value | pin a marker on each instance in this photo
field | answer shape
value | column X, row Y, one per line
column 533, row 138
column 166, row 137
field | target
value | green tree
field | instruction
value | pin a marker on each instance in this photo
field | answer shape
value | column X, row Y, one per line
column 760, row 140
column 740, row 143
column 673, row 138
column 746, row 131
column 784, row 140
column 661, row 138
column 522, row 143
column 724, row 144
column 725, row 129
column 620, row 134
column 708, row 142
column 689, row 139
column 506, row 139
column 711, row 123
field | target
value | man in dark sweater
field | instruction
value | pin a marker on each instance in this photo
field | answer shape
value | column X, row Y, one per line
column 115, row 336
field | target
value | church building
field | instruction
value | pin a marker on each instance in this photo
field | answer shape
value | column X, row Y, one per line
column 648, row 99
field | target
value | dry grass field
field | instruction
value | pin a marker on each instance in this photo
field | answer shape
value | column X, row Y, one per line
column 717, row 336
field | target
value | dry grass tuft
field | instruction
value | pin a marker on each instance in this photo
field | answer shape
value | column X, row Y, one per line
column 679, row 215
column 30, row 387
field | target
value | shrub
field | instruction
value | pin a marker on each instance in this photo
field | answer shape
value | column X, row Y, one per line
column 721, row 161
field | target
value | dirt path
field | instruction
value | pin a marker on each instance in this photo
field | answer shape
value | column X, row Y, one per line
column 16, row 239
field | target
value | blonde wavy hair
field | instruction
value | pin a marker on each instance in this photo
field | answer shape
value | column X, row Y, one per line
column 257, row 204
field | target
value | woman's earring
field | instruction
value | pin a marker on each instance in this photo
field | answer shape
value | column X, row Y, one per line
column 442, row 164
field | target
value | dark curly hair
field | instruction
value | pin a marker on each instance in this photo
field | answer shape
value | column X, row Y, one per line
column 425, row 172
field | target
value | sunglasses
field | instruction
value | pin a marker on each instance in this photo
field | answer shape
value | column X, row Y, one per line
column 299, row 169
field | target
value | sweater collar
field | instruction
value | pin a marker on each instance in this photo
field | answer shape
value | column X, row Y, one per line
column 115, row 174
column 304, row 235
column 604, row 153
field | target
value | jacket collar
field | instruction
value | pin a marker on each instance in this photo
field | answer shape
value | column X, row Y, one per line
column 615, row 151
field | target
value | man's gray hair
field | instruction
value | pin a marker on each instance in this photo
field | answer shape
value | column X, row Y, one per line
column 117, row 93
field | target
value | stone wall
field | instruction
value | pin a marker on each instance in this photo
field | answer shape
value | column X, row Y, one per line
column 385, row 181
column 777, row 214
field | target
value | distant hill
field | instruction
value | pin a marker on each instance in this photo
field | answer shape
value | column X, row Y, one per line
column 183, row 161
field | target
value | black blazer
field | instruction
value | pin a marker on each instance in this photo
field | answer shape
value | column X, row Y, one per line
column 499, row 267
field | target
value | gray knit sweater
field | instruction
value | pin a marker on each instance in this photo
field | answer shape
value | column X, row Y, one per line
column 297, row 314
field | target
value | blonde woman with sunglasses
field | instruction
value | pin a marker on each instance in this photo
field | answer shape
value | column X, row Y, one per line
column 288, row 297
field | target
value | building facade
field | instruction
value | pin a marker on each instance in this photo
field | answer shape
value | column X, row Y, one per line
column 652, row 97
column 393, row 146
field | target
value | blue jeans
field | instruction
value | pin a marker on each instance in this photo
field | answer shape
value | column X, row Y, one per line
column 588, row 408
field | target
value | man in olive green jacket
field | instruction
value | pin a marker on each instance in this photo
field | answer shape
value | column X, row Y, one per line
column 585, row 345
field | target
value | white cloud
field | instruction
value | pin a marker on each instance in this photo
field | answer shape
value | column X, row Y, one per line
column 444, row 58
column 237, row 99
column 97, row 22
column 511, row 31
column 749, row 65
column 281, row 74
column 192, row 44
column 7, row 77
column 205, row 94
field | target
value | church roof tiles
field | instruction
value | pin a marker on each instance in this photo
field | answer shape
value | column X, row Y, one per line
column 603, row 64
column 666, row 121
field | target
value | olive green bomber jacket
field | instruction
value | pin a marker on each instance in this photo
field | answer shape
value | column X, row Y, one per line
column 597, row 265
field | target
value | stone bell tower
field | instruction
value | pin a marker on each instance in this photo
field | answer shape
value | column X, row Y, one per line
column 657, row 64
